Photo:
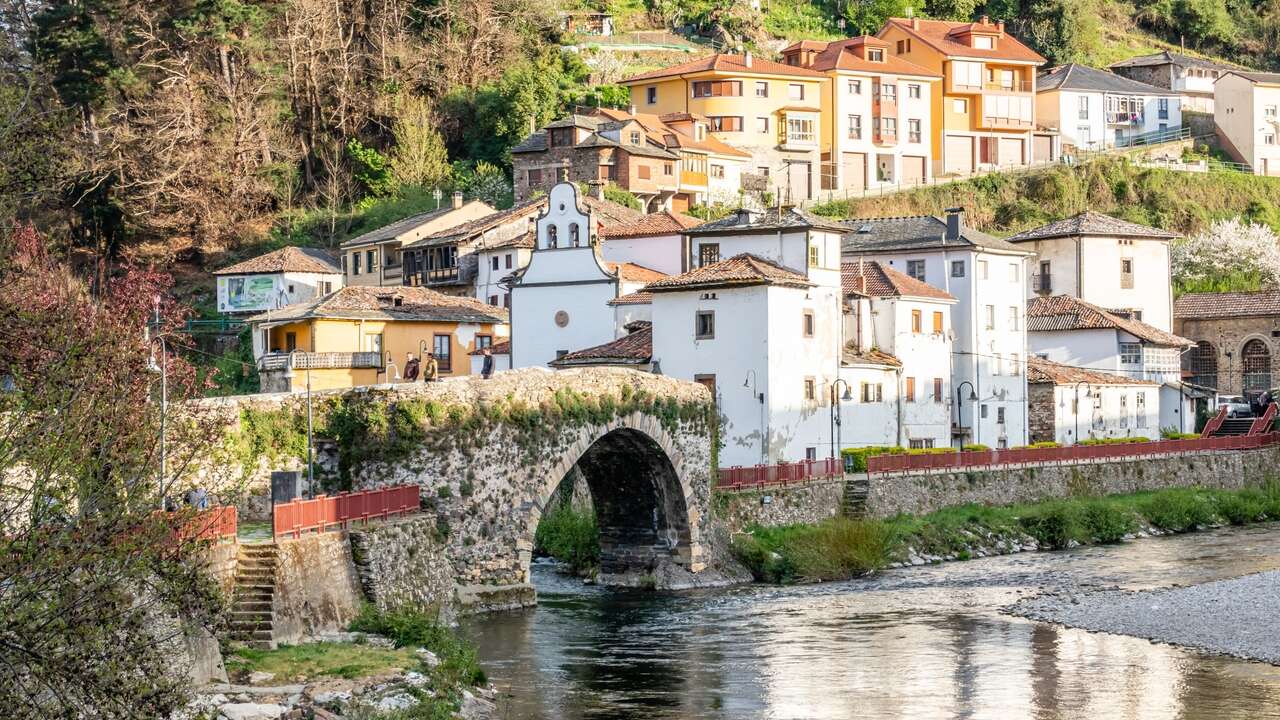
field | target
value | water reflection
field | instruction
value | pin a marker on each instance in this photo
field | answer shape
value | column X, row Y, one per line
column 921, row 643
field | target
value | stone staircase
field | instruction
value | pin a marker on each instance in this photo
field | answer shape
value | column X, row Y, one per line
column 1234, row 427
column 853, row 503
column 251, row 613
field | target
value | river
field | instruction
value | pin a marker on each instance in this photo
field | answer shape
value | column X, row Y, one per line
column 925, row 642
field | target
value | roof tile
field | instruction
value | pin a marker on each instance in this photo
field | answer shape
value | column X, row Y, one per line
column 941, row 35
column 873, row 279
column 1193, row 306
column 733, row 64
column 634, row 348
column 1040, row 371
column 1091, row 223
column 1063, row 312
column 738, row 271
column 286, row 259
column 361, row 302
column 660, row 223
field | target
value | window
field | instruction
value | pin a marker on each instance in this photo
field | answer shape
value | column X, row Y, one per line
column 921, row 443
column 915, row 268
column 642, row 172
column 762, row 124
column 1083, row 112
column 1130, row 353
column 904, row 46
column 1162, row 109
column 998, row 364
column 917, row 321
column 635, row 137
column 371, row 259
column 717, row 88
column 966, row 74
column 808, row 323
column 355, row 263
column 1268, row 111
column 667, row 169
column 508, row 261
column 811, row 453
column 813, row 256
column 708, row 253
column 1013, row 317
column 957, row 268
column 937, row 389
column 937, row 323
column 442, row 346
column 855, row 87
column 725, row 123
column 855, row 127
column 800, row 130
column 983, row 413
column 984, row 42
column 326, row 287
column 889, row 91
column 1015, row 273
column 1126, row 272
column 875, row 54
column 763, row 171
column 1269, row 139
column 493, row 300
column 1140, row 407
column 493, row 263
column 717, row 171
column 1000, row 415
column 872, row 393
column 959, row 106
column 810, row 389
column 506, row 300
column 910, row 392
column 913, row 91
column 484, row 341
column 1124, row 411
column 651, row 94
column 982, row 270
column 990, row 313
column 573, row 235
column 795, row 91
column 373, row 342
column 535, row 177
column 704, row 325
column 913, row 131
column 762, row 89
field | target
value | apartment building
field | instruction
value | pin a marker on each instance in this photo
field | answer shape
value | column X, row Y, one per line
column 1245, row 114
column 984, row 108
column 1191, row 78
column 876, row 113
column 766, row 109
column 1096, row 109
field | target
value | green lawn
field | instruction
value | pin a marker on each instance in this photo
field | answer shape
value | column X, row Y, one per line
column 293, row 663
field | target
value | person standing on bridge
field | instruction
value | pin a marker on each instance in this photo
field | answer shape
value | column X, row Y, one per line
column 411, row 366
column 486, row 370
column 431, row 372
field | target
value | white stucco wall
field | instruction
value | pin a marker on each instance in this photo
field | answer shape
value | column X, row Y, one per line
column 488, row 279
column 664, row 253
column 846, row 103
column 1105, row 411
column 623, row 314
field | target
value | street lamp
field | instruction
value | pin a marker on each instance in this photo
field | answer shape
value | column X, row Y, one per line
column 1076, row 439
column 288, row 373
column 163, row 370
column 973, row 397
column 750, row 382
column 836, row 397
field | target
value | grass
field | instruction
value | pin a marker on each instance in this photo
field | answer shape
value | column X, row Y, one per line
column 570, row 536
column 411, row 629
column 841, row 547
column 298, row 662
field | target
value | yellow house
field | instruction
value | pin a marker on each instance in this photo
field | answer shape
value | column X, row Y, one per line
column 769, row 110
column 363, row 335
column 984, row 108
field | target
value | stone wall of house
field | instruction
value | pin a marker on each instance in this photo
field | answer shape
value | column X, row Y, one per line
column 317, row 587
column 220, row 561
column 1157, row 75
column 1041, row 412
column 401, row 563
column 583, row 165
column 1228, row 336
column 775, row 507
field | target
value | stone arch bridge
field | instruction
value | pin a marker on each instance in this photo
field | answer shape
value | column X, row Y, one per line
column 490, row 454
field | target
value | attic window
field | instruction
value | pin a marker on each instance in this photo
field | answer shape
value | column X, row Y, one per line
column 875, row 54
column 984, row 42
column 635, row 137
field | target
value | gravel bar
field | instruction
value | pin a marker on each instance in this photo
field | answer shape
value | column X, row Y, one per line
column 1233, row 617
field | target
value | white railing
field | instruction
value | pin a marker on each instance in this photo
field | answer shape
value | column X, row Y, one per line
column 320, row 360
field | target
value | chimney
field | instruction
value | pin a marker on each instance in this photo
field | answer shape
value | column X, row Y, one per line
column 457, row 199
column 631, row 109
column 986, row 20
column 597, row 189
column 953, row 223
column 746, row 59
column 915, row 23
column 1000, row 27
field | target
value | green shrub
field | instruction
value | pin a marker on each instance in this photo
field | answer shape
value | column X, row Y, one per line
column 411, row 628
column 1056, row 524
column 570, row 536
column 1177, row 510
column 1172, row 434
column 1242, row 507
column 833, row 549
column 1115, row 441
column 975, row 447
column 1106, row 522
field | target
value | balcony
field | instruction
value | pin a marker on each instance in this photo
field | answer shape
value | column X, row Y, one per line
column 689, row 178
column 319, row 360
column 1017, row 86
column 1006, row 123
column 440, row 276
column 885, row 137
column 963, row 88
column 1124, row 118
column 799, row 141
column 1042, row 283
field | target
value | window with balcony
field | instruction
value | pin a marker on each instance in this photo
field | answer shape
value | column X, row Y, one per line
column 762, row 89
column 913, row 91
column 725, row 123
column 855, row 127
column 855, row 87
column 913, row 131
column 717, row 88
column 800, row 131
column 795, row 91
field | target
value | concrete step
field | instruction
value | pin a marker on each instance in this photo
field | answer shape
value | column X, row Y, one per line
column 250, row 605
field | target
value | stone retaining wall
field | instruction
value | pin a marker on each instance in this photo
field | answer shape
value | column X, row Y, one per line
column 774, row 507
column 220, row 560
column 402, row 563
column 317, row 587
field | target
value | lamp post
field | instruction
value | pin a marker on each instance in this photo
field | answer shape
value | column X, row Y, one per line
column 973, row 397
column 311, row 488
column 1076, row 439
column 836, row 397
column 750, row 382
column 163, row 370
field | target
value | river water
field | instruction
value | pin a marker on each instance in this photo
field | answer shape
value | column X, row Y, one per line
column 927, row 642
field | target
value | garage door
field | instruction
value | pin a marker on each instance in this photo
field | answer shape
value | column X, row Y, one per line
column 1042, row 149
column 798, row 185
column 1010, row 152
column 912, row 169
column 855, row 170
column 957, row 154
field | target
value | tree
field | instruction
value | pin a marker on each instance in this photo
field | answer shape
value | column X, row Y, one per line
column 89, row 572
column 371, row 169
column 951, row 9
column 484, row 181
column 1061, row 30
column 1204, row 20
column 1230, row 255
column 419, row 157
column 868, row 17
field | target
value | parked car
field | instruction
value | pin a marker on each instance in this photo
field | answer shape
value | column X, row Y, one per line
column 1236, row 406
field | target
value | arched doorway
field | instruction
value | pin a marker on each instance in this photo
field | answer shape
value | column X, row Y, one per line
column 1255, row 359
column 1201, row 365
column 639, row 505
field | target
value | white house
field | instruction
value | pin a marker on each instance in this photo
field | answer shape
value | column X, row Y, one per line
column 630, row 308
column 282, row 277
column 1113, row 263
column 987, row 276
column 896, row 360
column 654, row 241
column 1070, row 404
column 1073, row 332
column 1247, row 122
column 1095, row 109
column 633, row 349
column 496, row 262
column 877, row 117
column 559, row 301
column 1192, row 78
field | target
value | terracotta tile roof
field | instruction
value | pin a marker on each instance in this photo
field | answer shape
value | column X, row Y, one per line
column 1227, row 304
column 723, row 63
column 499, row 347
column 400, row 227
column 660, row 223
column 1040, row 371
column 286, row 259
column 738, row 271
column 358, row 302
column 636, row 298
column 851, row 356
column 839, row 55
column 941, row 35
column 607, row 212
column 471, row 230
column 1063, row 312
column 872, row 279
column 659, row 131
column 1091, row 223
column 805, row 45
column 634, row 348
column 632, row 272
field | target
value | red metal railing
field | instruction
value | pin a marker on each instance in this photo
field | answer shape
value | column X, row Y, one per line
column 1214, row 423
column 332, row 512
column 212, row 525
column 1263, row 424
column 1072, row 454
column 756, row 476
